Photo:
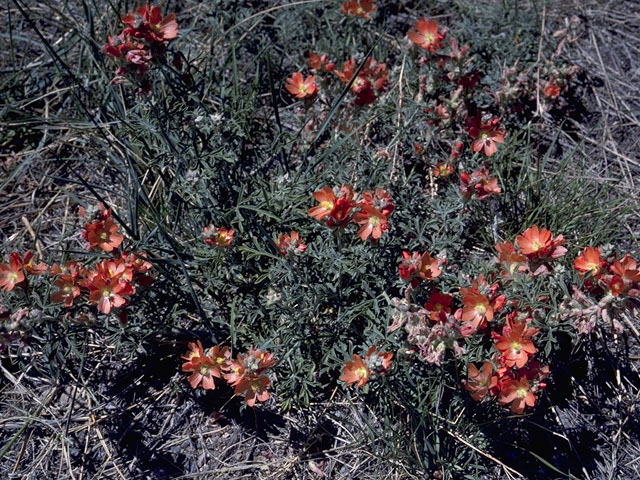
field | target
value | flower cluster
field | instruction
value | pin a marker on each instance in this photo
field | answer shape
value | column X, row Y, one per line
column 370, row 81
column 17, row 271
column 290, row 243
column 342, row 206
column 610, row 289
column 478, row 185
column 359, row 8
column 416, row 266
column 218, row 236
column 358, row 370
column 431, row 330
column 141, row 42
column 110, row 280
column 246, row 373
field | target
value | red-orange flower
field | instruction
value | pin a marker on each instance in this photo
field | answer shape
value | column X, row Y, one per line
column 103, row 233
column 378, row 362
column 428, row 267
column 485, row 135
column 381, row 200
column 477, row 308
column 509, row 260
column 290, row 243
column 31, row 268
column 301, row 87
column 246, row 374
column 373, row 222
column 337, row 206
column 219, row 237
column 480, row 382
column 438, row 306
column 589, row 261
column 442, row 169
column 538, row 243
column 67, row 291
column 425, row 34
column 552, row 90
column 359, row 8
column 147, row 22
column 627, row 269
column 254, row 388
column 11, row 274
column 478, row 184
column 515, row 343
column 517, row 393
column 108, row 292
column 355, row 372
column 327, row 200
column 202, row 367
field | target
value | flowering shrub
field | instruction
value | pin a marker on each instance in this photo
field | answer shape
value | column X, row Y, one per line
column 380, row 224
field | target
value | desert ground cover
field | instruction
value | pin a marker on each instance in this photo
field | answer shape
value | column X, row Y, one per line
column 319, row 239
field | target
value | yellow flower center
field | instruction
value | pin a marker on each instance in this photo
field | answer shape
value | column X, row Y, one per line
column 327, row 205
column 222, row 237
column 68, row 288
column 516, row 347
column 521, row 392
column 12, row 276
column 204, row 369
column 219, row 360
column 429, row 37
column 374, row 221
column 103, row 236
column 361, row 372
column 437, row 307
column 484, row 135
column 302, row 88
column 106, row 292
column 537, row 245
column 481, row 309
column 255, row 385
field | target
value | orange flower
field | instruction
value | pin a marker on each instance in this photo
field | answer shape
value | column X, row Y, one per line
column 509, row 260
column 442, row 170
column 589, row 261
column 381, row 200
column 30, row 268
column 355, row 372
column 515, row 343
column 290, row 243
column 12, row 274
column 68, row 290
column 516, row 392
column 485, row 135
column 316, row 62
column 107, row 292
column 552, row 90
column 538, row 243
column 359, row 8
column 147, row 22
column 480, row 382
column 337, row 207
column 477, row 308
column 626, row 268
column 373, row 222
column 428, row 267
column 201, row 366
column 378, row 362
column 300, row 87
column 246, row 375
column 103, row 234
column 425, row 34
column 479, row 184
column 327, row 200
column 438, row 306
column 219, row 237
column 254, row 388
